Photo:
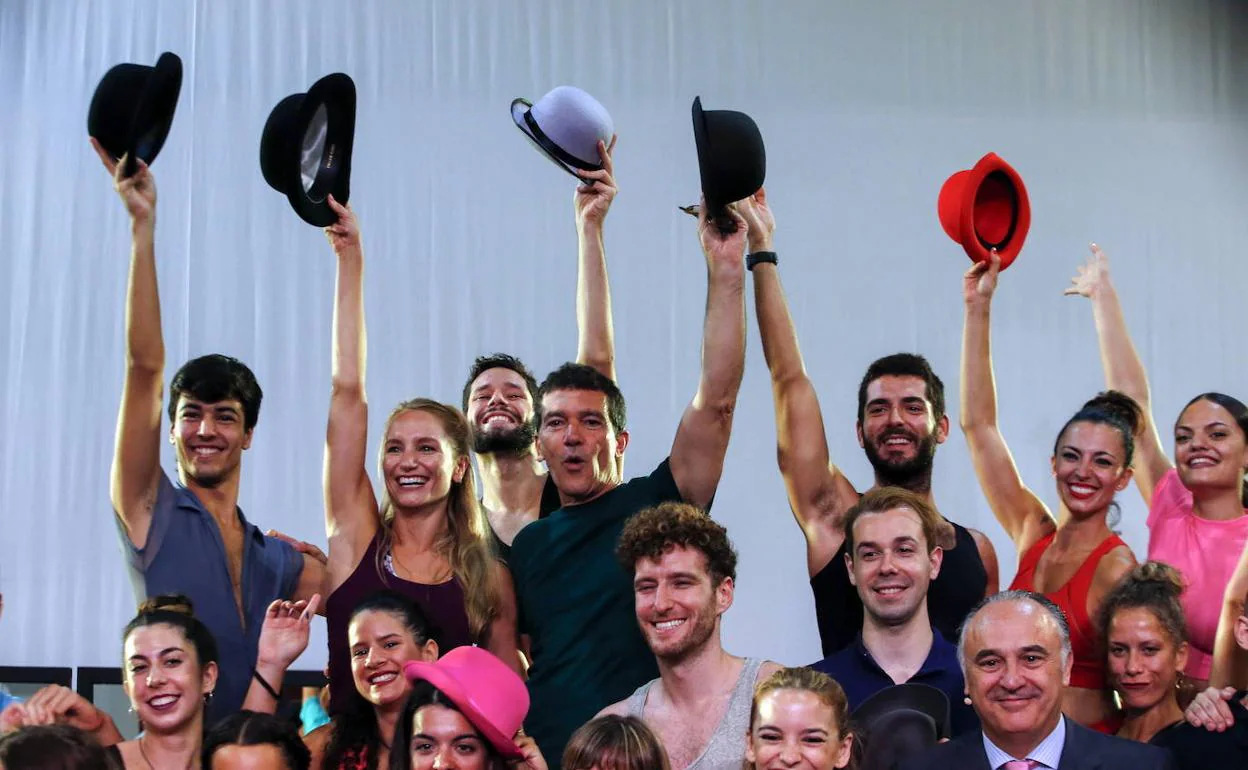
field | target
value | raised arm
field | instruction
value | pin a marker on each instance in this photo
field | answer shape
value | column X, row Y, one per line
column 1230, row 660
column 1022, row 514
column 136, row 453
column 702, row 439
column 1123, row 369
column 819, row 494
column 595, row 345
column 283, row 638
column 351, row 516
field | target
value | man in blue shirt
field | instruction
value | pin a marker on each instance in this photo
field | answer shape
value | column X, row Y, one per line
column 190, row 537
column 892, row 557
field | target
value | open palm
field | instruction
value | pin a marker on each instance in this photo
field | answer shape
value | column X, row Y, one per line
column 284, row 635
column 1091, row 276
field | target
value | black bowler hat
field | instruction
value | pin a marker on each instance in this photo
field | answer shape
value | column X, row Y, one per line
column 899, row 722
column 305, row 150
column 132, row 109
column 731, row 157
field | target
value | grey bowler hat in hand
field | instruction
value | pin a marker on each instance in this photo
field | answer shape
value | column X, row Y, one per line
column 566, row 124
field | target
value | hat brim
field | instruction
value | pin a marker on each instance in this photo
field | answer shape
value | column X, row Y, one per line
column 714, row 207
column 920, row 698
column 522, row 116
column 336, row 93
column 1008, row 183
column 440, row 678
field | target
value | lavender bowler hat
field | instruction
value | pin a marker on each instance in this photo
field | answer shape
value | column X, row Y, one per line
column 566, row 124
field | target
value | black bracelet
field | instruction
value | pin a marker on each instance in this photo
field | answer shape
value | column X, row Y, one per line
column 761, row 256
column 267, row 687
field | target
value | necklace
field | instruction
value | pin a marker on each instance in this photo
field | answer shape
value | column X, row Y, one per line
column 190, row 763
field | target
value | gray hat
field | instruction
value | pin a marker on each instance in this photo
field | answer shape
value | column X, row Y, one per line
column 566, row 124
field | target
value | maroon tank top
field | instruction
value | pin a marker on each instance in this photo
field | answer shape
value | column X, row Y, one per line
column 443, row 605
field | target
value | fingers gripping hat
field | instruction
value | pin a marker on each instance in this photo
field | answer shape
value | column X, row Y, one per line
column 305, row 149
column 566, row 124
column 132, row 109
column 985, row 208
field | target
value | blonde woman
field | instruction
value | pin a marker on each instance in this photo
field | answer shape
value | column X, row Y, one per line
column 800, row 717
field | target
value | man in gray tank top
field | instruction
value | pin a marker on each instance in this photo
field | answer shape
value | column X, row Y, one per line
column 683, row 571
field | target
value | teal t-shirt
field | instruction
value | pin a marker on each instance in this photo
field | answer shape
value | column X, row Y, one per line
column 576, row 604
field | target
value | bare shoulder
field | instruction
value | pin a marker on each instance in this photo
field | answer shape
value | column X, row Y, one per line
column 768, row 668
column 317, row 740
column 619, row 709
column 1115, row 565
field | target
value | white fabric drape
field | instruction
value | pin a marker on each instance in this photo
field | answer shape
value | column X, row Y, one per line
column 1127, row 119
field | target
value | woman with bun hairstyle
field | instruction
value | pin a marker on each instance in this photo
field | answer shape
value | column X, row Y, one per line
column 465, row 713
column 169, row 670
column 615, row 742
column 1146, row 648
column 1197, row 502
column 1072, row 558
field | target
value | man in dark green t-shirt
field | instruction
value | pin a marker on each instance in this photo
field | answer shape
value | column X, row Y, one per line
column 575, row 601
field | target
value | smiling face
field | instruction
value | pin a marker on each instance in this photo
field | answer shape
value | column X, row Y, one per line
column 444, row 739
column 579, row 444
column 164, row 679
column 208, row 439
column 380, row 645
column 1210, row 452
column 1014, row 671
column 500, row 412
column 796, row 729
column 1144, row 662
column 418, row 460
column 891, row 565
column 898, row 428
column 678, row 603
column 1089, row 468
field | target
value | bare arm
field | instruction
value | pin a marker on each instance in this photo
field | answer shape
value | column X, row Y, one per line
column 283, row 638
column 351, row 515
column 502, row 637
column 1230, row 661
column 595, row 336
column 702, row 439
column 1124, row 371
column 987, row 555
column 136, row 454
column 819, row 494
column 1022, row 514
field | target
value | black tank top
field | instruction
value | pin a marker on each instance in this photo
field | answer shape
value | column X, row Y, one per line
column 951, row 597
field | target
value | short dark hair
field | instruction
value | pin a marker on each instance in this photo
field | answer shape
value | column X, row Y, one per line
column 572, row 376
column 251, row 728
column 499, row 361
column 52, row 747
column 652, row 532
column 214, row 378
column 176, row 610
column 904, row 365
column 884, row 499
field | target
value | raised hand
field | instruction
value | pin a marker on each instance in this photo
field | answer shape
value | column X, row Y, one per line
column 1090, row 277
column 533, row 759
column 343, row 235
column 761, row 222
column 138, row 192
column 66, row 706
column 593, row 197
column 979, row 283
column 722, row 248
column 284, row 635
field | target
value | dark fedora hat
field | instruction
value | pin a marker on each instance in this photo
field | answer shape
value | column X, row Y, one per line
column 731, row 158
column 305, row 149
column 132, row 109
column 985, row 208
column 901, row 721
column 566, row 124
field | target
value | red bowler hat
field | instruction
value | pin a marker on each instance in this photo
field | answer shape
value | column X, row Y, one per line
column 986, row 208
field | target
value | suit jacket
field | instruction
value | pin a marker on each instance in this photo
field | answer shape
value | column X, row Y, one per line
column 1084, row 750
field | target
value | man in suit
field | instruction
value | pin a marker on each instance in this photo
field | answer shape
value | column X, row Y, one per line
column 1015, row 652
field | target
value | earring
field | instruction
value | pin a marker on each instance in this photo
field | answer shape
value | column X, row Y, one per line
column 208, row 697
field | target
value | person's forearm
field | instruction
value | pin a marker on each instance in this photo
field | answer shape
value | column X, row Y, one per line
column 1123, row 369
column 145, row 347
column 349, row 342
column 723, row 341
column 775, row 325
column 595, row 334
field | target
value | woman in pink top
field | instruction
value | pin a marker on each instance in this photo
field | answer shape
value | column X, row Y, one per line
column 1198, row 512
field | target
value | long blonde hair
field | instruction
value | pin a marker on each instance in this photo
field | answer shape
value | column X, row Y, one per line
column 466, row 545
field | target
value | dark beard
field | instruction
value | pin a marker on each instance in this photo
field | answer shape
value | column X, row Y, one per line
column 914, row 475
column 509, row 442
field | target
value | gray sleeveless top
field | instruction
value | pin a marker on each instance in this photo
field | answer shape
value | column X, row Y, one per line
column 726, row 749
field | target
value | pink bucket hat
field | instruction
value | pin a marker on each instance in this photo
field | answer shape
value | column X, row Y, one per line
column 488, row 693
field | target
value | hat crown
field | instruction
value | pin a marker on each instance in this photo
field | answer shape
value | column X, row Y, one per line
column 986, row 207
column 732, row 158
column 479, row 681
column 574, row 121
column 133, row 105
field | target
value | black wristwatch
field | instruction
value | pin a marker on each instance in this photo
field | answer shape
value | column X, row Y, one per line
column 761, row 256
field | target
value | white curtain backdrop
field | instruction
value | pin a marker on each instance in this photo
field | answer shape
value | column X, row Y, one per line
column 1127, row 119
